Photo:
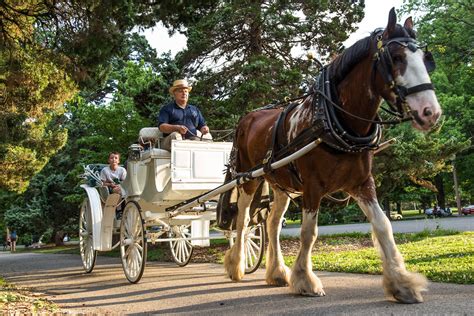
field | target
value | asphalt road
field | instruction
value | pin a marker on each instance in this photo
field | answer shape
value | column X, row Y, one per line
column 202, row 289
column 463, row 223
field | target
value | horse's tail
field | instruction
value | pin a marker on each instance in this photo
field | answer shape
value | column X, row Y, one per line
column 227, row 206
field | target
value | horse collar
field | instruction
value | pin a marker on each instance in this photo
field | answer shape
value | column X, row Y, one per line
column 334, row 134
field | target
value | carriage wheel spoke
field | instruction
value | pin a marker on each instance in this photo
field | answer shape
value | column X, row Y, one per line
column 181, row 248
column 185, row 248
column 250, row 247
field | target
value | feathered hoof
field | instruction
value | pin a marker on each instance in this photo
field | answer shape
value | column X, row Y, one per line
column 234, row 268
column 279, row 276
column 406, row 287
column 306, row 284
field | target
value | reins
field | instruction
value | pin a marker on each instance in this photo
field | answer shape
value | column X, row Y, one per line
column 379, row 122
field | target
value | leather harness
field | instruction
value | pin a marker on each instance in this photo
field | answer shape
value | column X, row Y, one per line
column 326, row 124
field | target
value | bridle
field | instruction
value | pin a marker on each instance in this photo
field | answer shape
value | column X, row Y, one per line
column 383, row 63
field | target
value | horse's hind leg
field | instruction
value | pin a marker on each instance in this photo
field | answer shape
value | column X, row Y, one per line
column 234, row 260
column 277, row 272
column 303, row 280
column 405, row 286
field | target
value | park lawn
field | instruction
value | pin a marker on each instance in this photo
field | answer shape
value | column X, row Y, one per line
column 441, row 258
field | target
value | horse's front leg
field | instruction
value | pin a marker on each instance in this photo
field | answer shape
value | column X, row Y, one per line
column 405, row 286
column 277, row 273
column 303, row 281
column 234, row 260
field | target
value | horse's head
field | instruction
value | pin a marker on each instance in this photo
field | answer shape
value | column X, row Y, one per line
column 404, row 66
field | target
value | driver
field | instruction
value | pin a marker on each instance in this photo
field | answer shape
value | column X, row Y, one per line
column 180, row 120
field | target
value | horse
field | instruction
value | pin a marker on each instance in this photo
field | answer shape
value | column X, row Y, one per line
column 342, row 112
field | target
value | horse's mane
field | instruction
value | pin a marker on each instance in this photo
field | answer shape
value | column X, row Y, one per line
column 343, row 64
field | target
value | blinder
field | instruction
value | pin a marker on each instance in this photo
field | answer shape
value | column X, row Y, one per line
column 413, row 46
column 429, row 61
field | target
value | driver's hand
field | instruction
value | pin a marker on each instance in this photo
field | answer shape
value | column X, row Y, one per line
column 204, row 130
column 182, row 129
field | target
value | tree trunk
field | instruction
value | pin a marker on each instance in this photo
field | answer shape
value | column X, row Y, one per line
column 58, row 238
column 456, row 189
column 440, row 195
column 399, row 208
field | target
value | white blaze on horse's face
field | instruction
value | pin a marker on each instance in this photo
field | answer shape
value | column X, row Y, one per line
column 424, row 104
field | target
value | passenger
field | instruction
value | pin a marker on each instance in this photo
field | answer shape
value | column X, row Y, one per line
column 113, row 174
column 180, row 120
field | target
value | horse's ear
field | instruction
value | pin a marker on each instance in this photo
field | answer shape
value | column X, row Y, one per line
column 408, row 24
column 392, row 22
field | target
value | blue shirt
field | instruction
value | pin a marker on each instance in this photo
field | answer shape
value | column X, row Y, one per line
column 190, row 117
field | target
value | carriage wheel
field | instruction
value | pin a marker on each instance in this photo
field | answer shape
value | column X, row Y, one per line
column 181, row 250
column 132, row 242
column 254, row 243
column 86, row 244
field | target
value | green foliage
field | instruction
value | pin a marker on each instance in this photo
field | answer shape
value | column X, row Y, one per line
column 33, row 95
column 406, row 170
column 241, row 52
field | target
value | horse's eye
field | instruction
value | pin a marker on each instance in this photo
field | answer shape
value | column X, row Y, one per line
column 397, row 59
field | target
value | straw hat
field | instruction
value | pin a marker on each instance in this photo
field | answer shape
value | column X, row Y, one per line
column 181, row 83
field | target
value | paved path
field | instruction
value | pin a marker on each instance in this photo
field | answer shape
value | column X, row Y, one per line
column 202, row 289
column 464, row 223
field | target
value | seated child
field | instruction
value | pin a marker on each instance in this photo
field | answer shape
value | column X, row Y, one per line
column 113, row 174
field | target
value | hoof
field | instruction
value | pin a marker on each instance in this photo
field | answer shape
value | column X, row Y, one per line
column 318, row 293
column 279, row 276
column 306, row 284
column 235, row 269
column 406, row 288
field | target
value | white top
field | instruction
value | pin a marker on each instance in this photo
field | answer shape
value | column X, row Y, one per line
column 108, row 174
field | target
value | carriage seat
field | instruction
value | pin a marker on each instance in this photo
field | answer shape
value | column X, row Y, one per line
column 150, row 137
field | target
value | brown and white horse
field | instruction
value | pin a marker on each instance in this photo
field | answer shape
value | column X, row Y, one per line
column 388, row 65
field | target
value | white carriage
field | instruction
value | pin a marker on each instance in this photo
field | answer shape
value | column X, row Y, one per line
column 155, row 195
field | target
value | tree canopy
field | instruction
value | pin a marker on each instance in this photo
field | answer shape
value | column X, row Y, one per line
column 77, row 81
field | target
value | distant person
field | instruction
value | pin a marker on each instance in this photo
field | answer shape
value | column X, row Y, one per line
column 13, row 238
column 179, row 120
column 113, row 174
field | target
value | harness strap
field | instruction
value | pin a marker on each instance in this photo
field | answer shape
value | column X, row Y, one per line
column 276, row 144
column 421, row 87
column 269, row 157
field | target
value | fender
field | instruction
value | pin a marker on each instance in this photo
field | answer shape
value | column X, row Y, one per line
column 102, row 220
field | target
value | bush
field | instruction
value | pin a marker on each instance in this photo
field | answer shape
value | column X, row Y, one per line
column 26, row 239
column 324, row 218
column 47, row 236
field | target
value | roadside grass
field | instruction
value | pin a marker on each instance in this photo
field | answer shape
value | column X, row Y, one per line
column 442, row 256
column 18, row 301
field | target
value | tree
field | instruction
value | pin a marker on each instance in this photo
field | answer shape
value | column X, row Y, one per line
column 243, row 53
column 33, row 91
column 425, row 160
column 446, row 25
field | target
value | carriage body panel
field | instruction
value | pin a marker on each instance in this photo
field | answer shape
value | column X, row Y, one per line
column 161, row 179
